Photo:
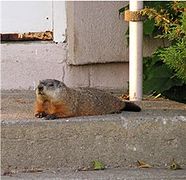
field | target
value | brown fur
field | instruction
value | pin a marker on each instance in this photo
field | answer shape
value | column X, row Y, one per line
column 55, row 98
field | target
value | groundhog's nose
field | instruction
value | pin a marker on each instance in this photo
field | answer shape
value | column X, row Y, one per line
column 40, row 87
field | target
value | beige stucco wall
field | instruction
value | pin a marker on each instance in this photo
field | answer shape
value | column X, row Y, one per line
column 112, row 76
column 95, row 55
column 95, row 32
column 23, row 64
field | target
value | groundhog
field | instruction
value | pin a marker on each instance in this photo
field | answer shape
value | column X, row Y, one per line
column 55, row 100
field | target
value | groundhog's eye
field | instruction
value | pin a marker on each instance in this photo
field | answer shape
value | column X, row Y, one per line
column 50, row 85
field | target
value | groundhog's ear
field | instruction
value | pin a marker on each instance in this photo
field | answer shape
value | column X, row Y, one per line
column 61, row 84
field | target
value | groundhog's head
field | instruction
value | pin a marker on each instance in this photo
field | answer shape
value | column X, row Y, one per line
column 50, row 88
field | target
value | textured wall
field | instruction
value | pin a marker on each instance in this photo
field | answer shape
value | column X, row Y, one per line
column 95, row 32
column 95, row 35
column 23, row 64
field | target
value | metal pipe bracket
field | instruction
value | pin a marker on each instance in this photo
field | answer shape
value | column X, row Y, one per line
column 133, row 16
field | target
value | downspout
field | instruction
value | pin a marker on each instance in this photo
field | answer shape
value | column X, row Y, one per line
column 135, row 54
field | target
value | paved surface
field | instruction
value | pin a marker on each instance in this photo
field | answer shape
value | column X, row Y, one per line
column 108, row 174
column 155, row 135
column 18, row 104
column 117, row 140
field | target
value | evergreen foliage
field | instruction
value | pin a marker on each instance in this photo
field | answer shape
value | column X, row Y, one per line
column 165, row 71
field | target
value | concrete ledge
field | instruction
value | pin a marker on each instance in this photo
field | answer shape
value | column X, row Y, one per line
column 155, row 136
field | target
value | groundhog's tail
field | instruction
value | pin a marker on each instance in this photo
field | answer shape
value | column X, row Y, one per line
column 129, row 106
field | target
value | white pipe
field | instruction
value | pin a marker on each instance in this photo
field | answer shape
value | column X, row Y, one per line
column 135, row 54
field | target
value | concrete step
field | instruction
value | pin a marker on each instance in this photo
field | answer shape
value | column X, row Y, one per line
column 118, row 140
column 108, row 174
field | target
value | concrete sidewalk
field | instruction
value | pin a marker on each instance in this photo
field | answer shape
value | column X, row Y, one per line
column 108, row 174
column 155, row 135
column 19, row 104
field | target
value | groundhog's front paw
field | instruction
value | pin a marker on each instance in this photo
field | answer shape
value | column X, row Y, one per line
column 40, row 115
column 51, row 117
